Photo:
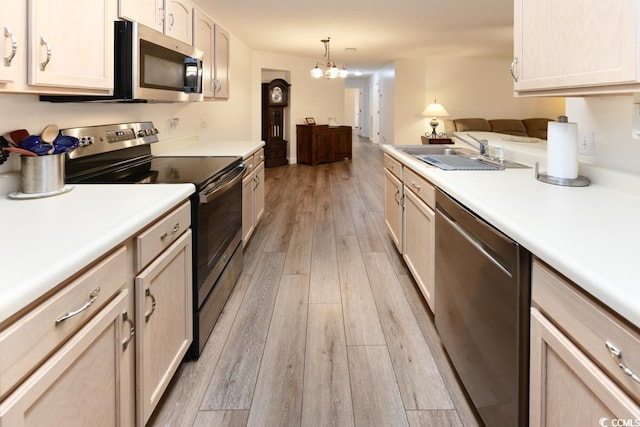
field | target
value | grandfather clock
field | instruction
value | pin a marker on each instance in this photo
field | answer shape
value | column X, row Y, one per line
column 275, row 99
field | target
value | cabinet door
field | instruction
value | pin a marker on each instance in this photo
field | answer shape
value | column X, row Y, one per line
column 179, row 20
column 82, row 383
column 203, row 36
column 258, row 194
column 342, row 143
column 247, row 207
column 393, row 207
column 149, row 13
column 321, row 147
column 579, row 43
column 71, row 43
column 566, row 387
column 164, row 323
column 13, row 48
column 221, row 62
column 419, row 243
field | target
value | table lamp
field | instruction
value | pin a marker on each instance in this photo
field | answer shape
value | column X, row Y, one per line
column 434, row 110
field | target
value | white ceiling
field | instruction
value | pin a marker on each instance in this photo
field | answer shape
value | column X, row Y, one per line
column 380, row 30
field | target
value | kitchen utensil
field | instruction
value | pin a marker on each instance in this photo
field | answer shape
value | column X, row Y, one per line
column 18, row 150
column 43, row 149
column 49, row 134
column 18, row 135
column 64, row 143
column 30, row 142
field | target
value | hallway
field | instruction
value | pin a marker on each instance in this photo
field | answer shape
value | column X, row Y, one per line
column 325, row 325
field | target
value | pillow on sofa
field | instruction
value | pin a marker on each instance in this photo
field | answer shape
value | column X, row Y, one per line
column 508, row 126
column 465, row 125
column 537, row 128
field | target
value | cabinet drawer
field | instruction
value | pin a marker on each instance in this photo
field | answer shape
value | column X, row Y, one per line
column 249, row 162
column 258, row 157
column 420, row 186
column 161, row 235
column 394, row 166
column 590, row 325
column 27, row 342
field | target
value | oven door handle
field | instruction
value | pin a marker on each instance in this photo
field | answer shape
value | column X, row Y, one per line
column 212, row 191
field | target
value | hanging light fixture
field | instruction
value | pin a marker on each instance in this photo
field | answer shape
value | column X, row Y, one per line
column 328, row 70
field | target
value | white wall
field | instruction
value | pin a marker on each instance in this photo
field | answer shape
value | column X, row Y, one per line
column 610, row 118
column 309, row 97
column 225, row 120
column 466, row 87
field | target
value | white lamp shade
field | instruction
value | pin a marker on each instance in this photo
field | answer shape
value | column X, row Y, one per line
column 435, row 110
column 316, row 72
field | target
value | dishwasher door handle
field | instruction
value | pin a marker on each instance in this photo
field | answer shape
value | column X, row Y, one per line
column 474, row 242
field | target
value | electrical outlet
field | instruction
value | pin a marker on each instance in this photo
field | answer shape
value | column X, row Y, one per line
column 203, row 123
column 586, row 143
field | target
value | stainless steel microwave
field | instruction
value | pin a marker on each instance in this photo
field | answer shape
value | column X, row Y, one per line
column 149, row 67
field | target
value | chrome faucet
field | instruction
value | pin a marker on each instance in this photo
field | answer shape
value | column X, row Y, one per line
column 483, row 144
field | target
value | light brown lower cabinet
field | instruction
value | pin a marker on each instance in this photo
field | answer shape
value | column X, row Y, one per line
column 419, row 243
column 84, row 383
column 575, row 380
column 393, row 207
column 164, row 328
column 252, row 195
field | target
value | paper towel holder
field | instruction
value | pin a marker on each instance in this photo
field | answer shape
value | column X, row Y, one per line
column 579, row 181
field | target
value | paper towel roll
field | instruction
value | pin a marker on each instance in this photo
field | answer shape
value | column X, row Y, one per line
column 562, row 150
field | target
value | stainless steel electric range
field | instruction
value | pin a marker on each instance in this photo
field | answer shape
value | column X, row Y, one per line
column 121, row 153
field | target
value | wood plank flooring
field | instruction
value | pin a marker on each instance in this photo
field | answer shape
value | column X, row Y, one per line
column 325, row 326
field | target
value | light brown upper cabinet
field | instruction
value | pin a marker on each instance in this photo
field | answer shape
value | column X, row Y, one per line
column 214, row 41
column 575, row 47
column 171, row 17
column 42, row 54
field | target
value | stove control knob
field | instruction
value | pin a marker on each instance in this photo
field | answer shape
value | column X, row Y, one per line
column 141, row 133
column 154, row 131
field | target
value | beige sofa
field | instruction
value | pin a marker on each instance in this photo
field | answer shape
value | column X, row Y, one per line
column 535, row 128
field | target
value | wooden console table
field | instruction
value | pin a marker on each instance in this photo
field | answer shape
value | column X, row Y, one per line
column 323, row 143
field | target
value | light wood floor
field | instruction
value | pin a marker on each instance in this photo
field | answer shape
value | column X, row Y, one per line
column 325, row 326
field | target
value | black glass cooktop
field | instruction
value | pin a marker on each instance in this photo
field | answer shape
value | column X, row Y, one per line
column 163, row 170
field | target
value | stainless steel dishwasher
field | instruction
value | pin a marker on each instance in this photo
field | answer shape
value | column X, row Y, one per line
column 482, row 300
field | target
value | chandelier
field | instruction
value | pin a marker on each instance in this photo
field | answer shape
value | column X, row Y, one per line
column 328, row 70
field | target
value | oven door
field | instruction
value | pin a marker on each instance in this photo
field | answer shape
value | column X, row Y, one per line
column 219, row 228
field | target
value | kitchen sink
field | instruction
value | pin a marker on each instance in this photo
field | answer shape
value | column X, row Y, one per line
column 455, row 158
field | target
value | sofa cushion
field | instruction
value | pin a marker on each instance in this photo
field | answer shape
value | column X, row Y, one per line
column 508, row 126
column 536, row 128
column 465, row 125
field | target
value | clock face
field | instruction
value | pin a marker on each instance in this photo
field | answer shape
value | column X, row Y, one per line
column 277, row 95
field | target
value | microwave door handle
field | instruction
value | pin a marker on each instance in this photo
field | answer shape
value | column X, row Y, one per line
column 209, row 194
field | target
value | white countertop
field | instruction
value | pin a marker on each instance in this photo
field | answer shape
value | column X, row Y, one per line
column 193, row 147
column 588, row 234
column 45, row 241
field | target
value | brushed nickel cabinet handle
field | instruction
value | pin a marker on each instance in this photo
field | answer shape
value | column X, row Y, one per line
column 148, row 294
column 172, row 232
column 14, row 46
column 616, row 354
column 513, row 69
column 132, row 330
column 43, row 42
column 414, row 185
column 93, row 296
